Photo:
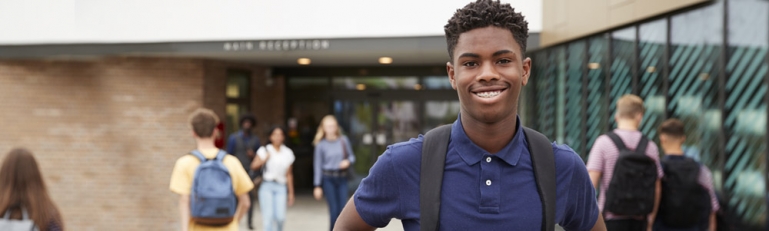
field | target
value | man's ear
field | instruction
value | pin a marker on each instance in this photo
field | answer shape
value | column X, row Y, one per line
column 450, row 71
column 639, row 117
column 526, row 71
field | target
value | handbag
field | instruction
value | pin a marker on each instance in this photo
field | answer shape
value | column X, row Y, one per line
column 349, row 172
column 25, row 224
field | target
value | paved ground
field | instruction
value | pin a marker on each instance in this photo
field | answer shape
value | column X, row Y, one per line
column 307, row 214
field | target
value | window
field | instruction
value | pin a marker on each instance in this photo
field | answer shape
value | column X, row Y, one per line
column 379, row 83
column 558, row 58
column 573, row 122
column 438, row 113
column 597, row 102
column 695, row 47
column 308, row 83
column 652, row 40
column 437, row 83
column 238, row 98
column 622, row 59
column 745, row 111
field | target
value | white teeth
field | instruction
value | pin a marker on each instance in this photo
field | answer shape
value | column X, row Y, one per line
column 488, row 94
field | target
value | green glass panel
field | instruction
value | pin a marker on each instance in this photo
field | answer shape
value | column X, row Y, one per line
column 651, row 45
column 745, row 113
column 573, row 130
column 437, row 83
column 622, row 59
column 558, row 61
column 693, row 94
column 597, row 102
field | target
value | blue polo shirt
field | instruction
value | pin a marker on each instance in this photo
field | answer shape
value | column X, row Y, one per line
column 480, row 190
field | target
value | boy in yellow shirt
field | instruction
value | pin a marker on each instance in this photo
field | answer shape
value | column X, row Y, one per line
column 203, row 122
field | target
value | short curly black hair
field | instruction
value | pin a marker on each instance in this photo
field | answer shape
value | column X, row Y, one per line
column 248, row 117
column 484, row 13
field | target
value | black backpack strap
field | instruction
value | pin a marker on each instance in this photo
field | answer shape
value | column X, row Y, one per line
column 617, row 141
column 543, row 161
column 641, row 148
column 434, row 148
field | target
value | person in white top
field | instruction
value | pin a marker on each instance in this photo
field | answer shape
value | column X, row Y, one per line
column 277, row 188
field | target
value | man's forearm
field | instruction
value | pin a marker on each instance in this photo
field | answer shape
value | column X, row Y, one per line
column 599, row 224
column 257, row 163
column 184, row 211
column 595, row 177
column 712, row 222
column 243, row 203
column 350, row 220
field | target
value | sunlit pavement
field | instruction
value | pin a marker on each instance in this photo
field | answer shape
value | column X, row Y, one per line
column 306, row 214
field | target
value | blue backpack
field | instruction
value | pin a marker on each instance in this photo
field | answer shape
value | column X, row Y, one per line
column 212, row 201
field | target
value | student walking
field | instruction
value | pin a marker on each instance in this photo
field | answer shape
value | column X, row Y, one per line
column 688, row 201
column 277, row 187
column 23, row 194
column 486, row 171
column 212, row 185
column 333, row 156
column 626, row 165
column 243, row 145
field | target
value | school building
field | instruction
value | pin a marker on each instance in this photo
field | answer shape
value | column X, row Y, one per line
column 704, row 62
column 101, row 91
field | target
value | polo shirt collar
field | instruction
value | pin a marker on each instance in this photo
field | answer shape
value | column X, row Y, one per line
column 472, row 154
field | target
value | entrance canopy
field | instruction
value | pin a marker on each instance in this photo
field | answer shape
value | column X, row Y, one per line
column 429, row 50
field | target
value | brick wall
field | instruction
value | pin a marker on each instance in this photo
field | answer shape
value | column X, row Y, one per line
column 107, row 132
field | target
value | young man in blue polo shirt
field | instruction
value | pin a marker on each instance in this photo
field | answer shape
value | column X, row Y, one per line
column 488, row 179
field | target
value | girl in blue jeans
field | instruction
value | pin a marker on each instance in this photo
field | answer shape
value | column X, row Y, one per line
column 277, row 188
column 333, row 156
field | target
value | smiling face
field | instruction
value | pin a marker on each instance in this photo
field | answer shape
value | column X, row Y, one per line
column 488, row 72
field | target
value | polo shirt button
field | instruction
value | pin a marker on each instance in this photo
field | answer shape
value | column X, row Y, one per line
column 488, row 159
column 488, row 182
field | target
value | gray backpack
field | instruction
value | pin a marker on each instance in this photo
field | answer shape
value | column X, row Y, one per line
column 25, row 224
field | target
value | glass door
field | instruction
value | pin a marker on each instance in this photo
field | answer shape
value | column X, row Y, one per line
column 372, row 124
column 356, row 117
column 374, row 121
column 373, row 112
column 396, row 121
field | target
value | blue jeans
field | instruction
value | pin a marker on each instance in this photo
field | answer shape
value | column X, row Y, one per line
column 335, row 189
column 272, row 202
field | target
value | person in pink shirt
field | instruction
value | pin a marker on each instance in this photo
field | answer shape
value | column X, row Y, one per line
column 603, row 158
